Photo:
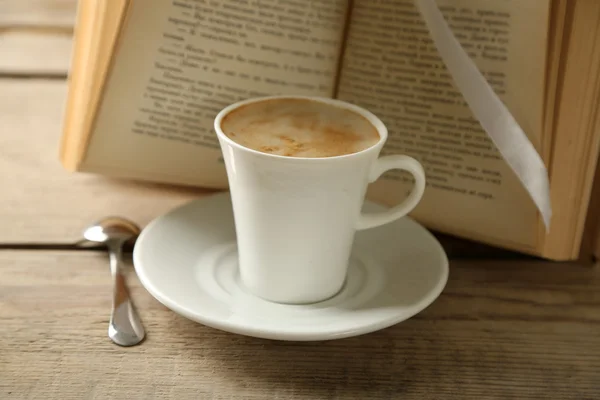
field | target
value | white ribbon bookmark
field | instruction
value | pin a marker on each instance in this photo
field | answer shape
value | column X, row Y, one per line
column 498, row 122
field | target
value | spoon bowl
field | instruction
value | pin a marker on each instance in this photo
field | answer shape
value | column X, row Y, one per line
column 111, row 228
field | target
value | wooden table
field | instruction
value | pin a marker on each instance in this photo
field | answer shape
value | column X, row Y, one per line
column 504, row 327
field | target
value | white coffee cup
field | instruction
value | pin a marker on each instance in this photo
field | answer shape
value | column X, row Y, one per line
column 295, row 218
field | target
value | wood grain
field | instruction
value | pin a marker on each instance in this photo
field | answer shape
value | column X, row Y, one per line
column 26, row 53
column 510, row 329
column 40, row 201
column 499, row 331
column 37, row 13
column 36, row 37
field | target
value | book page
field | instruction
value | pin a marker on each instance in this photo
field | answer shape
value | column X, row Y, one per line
column 180, row 62
column 392, row 68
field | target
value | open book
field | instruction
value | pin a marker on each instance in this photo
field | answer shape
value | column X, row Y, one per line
column 147, row 81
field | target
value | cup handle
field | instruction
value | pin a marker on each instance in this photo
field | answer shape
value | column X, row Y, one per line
column 384, row 164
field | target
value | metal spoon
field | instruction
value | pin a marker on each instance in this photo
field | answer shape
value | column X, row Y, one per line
column 125, row 328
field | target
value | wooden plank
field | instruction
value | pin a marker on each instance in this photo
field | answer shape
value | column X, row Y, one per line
column 36, row 37
column 42, row 203
column 35, row 52
column 499, row 331
column 38, row 12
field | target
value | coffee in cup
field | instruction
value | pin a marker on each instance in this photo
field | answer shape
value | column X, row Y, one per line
column 299, row 128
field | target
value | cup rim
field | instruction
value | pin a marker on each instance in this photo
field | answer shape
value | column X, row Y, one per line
column 372, row 118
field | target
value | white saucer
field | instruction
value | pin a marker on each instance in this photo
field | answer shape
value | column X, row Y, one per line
column 187, row 260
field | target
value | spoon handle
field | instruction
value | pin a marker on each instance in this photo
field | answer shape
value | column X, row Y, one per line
column 125, row 327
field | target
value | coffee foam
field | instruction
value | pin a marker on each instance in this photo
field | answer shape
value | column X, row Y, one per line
column 299, row 128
